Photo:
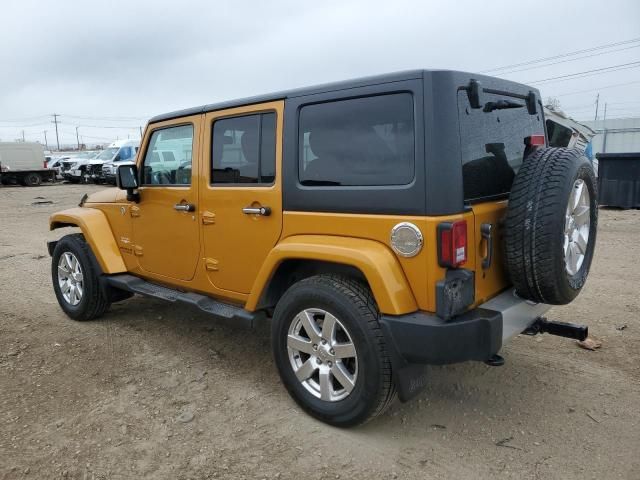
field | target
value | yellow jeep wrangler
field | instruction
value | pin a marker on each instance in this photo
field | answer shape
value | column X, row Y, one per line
column 381, row 224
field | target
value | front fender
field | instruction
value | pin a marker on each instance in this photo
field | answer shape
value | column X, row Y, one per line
column 376, row 262
column 96, row 231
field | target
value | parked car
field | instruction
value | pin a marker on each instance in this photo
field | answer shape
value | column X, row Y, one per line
column 118, row 153
column 380, row 224
column 74, row 167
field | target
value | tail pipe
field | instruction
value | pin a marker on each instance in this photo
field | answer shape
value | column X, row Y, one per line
column 562, row 329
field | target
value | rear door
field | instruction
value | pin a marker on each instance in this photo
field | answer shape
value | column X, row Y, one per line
column 493, row 146
column 241, row 194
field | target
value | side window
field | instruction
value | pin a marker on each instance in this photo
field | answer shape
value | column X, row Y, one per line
column 168, row 158
column 126, row 153
column 358, row 142
column 244, row 150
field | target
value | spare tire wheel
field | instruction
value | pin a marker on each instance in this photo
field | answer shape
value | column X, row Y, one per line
column 550, row 229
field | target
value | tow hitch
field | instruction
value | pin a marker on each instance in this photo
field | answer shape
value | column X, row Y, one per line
column 562, row 329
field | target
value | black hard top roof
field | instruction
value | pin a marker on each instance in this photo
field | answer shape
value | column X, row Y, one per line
column 323, row 88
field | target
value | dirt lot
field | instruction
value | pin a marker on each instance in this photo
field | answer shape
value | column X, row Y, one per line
column 157, row 391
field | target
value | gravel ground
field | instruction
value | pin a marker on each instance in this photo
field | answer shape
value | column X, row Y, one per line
column 156, row 391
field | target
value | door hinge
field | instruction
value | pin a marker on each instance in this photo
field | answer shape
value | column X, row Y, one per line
column 208, row 218
column 137, row 250
column 134, row 211
column 211, row 264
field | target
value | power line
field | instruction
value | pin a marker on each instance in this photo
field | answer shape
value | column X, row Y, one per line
column 586, row 73
column 107, row 118
column 563, row 55
column 567, row 60
column 615, row 85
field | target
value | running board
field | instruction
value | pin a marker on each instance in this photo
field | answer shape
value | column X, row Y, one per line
column 223, row 311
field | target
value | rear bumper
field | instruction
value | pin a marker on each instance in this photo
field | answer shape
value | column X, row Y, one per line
column 422, row 338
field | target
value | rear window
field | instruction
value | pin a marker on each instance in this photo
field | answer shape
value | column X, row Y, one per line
column 493, row 145
column 358, row 142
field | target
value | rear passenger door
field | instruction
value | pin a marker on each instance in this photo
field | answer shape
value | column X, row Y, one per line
column 240, row 192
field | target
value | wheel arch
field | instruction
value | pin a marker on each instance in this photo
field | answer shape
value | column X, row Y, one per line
column 302, row 256
column 96, row 230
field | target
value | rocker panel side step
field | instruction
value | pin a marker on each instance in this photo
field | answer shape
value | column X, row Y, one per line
column 222, row 311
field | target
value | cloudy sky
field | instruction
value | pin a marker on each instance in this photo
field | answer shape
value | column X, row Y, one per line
column 107, row 66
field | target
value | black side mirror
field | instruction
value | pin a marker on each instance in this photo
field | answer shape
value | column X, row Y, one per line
column 127, row 179
column 116, row 158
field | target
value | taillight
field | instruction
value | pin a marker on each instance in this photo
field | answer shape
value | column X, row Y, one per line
column 44, row 164
column 452, row 243
column 536, row 140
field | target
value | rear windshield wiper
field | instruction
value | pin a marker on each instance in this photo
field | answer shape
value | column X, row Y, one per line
column 501, row 105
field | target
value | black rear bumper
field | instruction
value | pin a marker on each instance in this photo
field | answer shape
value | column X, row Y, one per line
column 427, row 339
column 418, row 339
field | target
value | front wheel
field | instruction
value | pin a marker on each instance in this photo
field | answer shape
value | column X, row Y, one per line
column 330, row 351
column 75, row 279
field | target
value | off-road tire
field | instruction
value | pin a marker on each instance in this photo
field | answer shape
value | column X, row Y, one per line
column 94, row 302
column 353, row 304
column 32, row 180
column 535, row 224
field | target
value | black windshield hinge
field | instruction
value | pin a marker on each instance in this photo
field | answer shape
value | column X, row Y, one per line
column 475, row 93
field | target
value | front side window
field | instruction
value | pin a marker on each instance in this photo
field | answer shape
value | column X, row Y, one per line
column 358, row 142
column 244, row 150
column 168, row 157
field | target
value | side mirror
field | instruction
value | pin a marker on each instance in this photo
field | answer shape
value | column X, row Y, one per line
column 127, row 179
column 116, row 158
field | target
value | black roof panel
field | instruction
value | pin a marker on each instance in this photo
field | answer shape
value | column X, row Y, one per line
column 327, row 87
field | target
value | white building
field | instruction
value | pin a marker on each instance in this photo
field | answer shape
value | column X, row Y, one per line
column 616, row 135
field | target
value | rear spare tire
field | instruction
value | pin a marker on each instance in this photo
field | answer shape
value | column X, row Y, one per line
column 550, row 229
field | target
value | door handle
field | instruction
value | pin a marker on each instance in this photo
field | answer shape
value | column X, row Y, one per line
column 184, row 207
column 486, row 232
column 264, row 211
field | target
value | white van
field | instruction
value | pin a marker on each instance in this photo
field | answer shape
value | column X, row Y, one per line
column 114, row 155
column 87, row 169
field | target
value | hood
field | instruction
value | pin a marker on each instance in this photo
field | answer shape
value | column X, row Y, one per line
column 108, row 195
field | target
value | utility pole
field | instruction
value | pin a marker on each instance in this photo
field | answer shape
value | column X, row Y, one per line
column 604, row 128
column 45, row 140
column 597, row 102
column 23, row 136
column 55, row 120
column 140, row 132
column 78, row 138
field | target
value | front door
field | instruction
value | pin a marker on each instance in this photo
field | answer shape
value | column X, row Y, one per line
column 165, row 222
column 241, row 195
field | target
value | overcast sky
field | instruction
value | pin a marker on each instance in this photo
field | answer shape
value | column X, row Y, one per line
column 115, row 63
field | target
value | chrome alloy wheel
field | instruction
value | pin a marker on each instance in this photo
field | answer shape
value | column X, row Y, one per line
column 576, row 227
column 322, row 355
column 70, row 278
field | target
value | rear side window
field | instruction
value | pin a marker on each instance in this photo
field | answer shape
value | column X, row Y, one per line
column 493, row 145
column 559, row 135
column 244, row 149
column 358, row 142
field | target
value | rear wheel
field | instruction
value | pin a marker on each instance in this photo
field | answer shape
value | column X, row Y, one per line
column 551, row 225
column 75, row 279
column 32, row 180
column 330, row 351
